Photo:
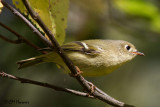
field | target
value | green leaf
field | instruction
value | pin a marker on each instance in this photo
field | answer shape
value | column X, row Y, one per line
column 53, row 13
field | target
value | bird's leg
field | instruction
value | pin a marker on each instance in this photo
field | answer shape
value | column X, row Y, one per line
column 92, row 87
column 78, row 72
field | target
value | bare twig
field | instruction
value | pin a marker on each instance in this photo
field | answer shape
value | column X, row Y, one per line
column 23, row 80
column 20, row 39
column 9, row 40
column 18, row 14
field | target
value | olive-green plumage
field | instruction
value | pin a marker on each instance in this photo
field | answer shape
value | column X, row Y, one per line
column 93, row 57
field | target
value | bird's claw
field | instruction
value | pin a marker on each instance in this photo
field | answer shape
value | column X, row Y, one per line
column 78, row 72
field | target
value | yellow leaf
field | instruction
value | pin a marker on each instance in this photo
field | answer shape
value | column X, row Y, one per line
column 58, row 15
column 53, row 13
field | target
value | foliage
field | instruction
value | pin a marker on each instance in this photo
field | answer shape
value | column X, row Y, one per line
column 53, row 13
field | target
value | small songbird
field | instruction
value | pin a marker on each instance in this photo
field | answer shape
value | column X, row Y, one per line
column 93, row 57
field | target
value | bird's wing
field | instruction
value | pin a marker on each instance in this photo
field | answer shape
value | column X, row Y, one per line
column 76, row 46
column 82, row 47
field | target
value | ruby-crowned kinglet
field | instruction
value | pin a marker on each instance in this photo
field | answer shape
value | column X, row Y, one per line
column 93, row 57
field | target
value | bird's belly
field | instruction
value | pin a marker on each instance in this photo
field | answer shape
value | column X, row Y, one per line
column 96, row 70
column 91, row 67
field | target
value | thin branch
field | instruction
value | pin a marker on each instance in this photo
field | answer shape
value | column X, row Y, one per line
column 20, row 39
column 9, row 40
column 18, row 14
column 23, row 80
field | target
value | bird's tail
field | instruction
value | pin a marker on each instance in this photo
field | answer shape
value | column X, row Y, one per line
column 29, row 62
column 36, row 60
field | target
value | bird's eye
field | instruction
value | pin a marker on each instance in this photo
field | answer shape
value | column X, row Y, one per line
column 128, row 47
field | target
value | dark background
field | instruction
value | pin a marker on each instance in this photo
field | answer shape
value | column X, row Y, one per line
column 136, row 83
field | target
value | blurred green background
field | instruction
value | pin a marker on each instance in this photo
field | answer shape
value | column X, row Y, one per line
column 136, row 83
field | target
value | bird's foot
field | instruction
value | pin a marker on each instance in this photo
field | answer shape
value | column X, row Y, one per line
column 92, row 88
column 78, row 72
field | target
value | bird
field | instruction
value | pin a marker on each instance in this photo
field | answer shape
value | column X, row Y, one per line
column 95, row 57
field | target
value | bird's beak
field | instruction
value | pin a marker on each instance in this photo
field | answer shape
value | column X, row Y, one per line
column 138, row 53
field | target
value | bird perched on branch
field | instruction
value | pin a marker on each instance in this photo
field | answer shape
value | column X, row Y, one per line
column 93, row 57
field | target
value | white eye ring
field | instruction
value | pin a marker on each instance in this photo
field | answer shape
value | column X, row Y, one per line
column 128, row 47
